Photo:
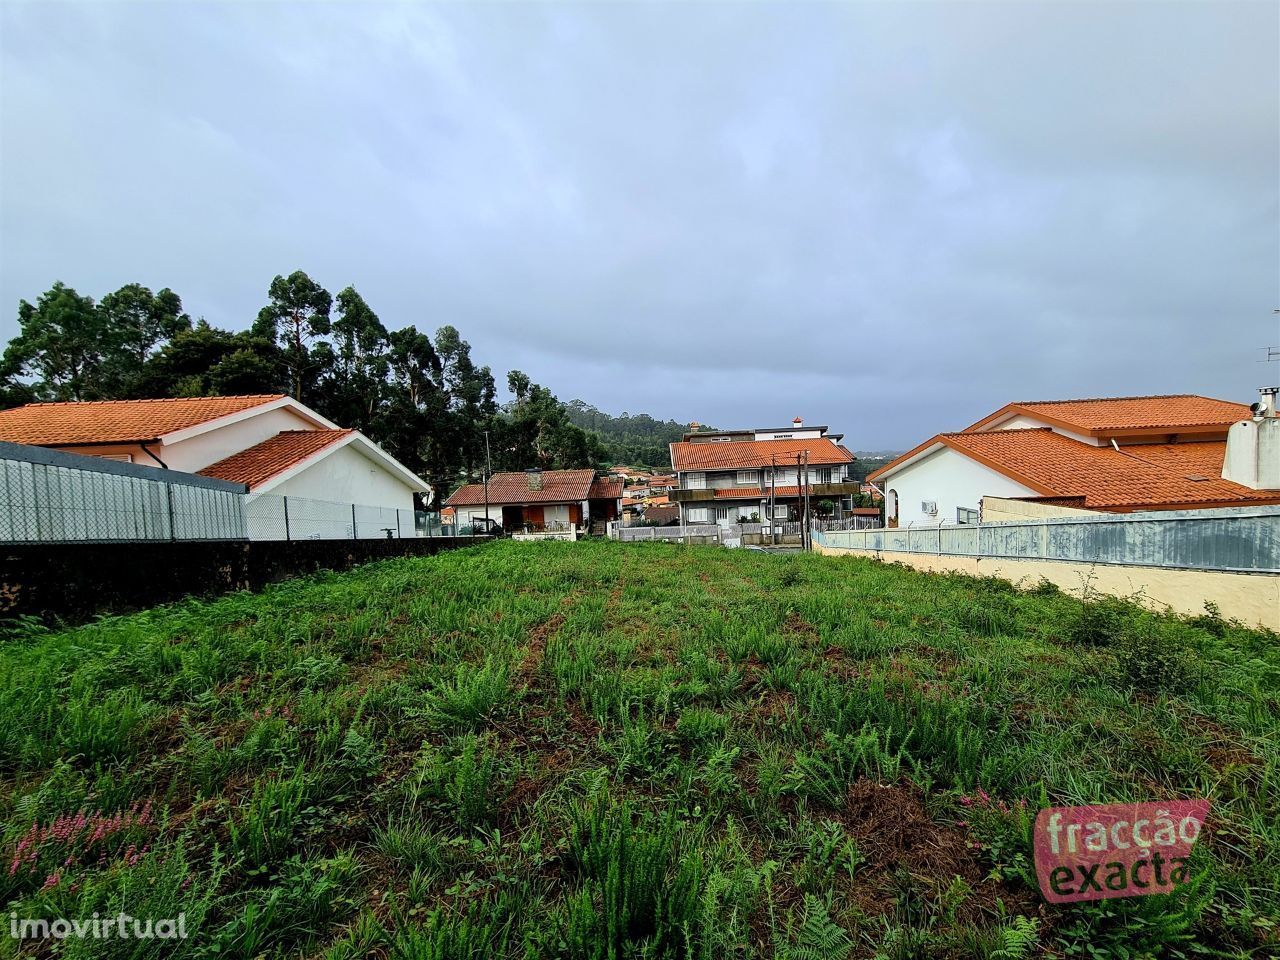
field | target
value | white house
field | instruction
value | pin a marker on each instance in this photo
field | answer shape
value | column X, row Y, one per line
column 271, row 443
column 539, row 500
column 1115, row 454
column 723, row 475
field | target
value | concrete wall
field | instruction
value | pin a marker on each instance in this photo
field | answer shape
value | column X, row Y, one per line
column 996, row 509
column 347, row 475
column 1253, row 598
column 952, row 480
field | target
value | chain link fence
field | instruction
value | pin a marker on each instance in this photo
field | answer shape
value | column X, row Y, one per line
column 52, row 497
column 273, row 517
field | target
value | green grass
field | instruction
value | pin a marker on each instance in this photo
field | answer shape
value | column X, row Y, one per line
column 602, row 751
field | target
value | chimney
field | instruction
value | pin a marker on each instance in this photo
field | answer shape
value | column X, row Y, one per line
column 1253, row 446
column 534, row 477
column 1266, row 407
column 798, row 422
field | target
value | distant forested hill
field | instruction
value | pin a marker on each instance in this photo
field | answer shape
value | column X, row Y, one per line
column 633, row 439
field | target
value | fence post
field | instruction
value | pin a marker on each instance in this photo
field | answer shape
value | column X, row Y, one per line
column 286, row 518
column 398, row 536
column 173, row 529
column 1044, row 538
column 353, row 522
column 35, row 500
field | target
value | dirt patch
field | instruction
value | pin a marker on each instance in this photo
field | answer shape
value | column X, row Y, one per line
column 798, row 626
column 894, row 832
column 528, row 668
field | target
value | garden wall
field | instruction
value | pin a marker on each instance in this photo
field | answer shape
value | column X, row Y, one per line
column 1253, row 598
column 76, row 581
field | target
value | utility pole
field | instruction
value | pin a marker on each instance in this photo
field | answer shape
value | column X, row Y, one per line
column 488, row 469
column 773, row 501
column 800, row 497
column 804, row 510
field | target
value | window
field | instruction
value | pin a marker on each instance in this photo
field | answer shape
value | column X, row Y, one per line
column 747, row 478
column 824, row 475
column 966, row 515
column 725, row 513
column 118, row 457
column 698, row 515
column 781, row 511
column 695, row 481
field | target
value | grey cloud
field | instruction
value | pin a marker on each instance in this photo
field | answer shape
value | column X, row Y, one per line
column 888, row 217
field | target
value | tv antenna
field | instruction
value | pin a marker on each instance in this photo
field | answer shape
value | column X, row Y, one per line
column 1272, row 354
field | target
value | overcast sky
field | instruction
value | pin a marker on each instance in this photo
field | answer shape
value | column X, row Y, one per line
column 892, row 218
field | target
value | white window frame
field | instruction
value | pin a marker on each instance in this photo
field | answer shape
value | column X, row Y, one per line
column 695, row 481
column 698, row 514
column 781, row 511
column 748, row 478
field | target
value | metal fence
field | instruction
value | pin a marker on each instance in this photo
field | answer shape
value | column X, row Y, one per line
column 847, row 523
column 53, row 497
column 273, row 517
column 1237, row 539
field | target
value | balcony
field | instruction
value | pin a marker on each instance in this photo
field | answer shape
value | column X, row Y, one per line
column 844, row 488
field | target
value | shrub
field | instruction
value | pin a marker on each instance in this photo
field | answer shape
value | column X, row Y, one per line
column 1210, row 621
column 1100, row 621
column 1152, row 663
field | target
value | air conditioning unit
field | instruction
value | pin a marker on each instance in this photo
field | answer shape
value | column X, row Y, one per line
column 929, row 506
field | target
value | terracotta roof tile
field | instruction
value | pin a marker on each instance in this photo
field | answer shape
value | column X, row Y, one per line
column 606, row 489
column 116, row 421
column 1136, row 477
column 742, row 454
column 257, row 464
column 1117, row 415
column 558, row 486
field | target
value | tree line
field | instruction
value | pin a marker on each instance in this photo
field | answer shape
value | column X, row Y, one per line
column 421, row 397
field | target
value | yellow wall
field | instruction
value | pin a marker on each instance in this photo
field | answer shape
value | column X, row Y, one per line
column 1253, row 598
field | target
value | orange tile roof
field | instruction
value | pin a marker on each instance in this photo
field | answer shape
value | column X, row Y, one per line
column 256, row 465
column 605, row 489
column 742, row 454
column 558, row 486
column 1103, row 416
column 1136, row 477
column 116, row 421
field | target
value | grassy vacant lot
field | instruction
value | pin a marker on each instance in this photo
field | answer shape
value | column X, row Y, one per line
column 597, row 750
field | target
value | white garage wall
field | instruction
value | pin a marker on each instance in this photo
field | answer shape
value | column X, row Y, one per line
column 950, row 479
column 348, row 476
